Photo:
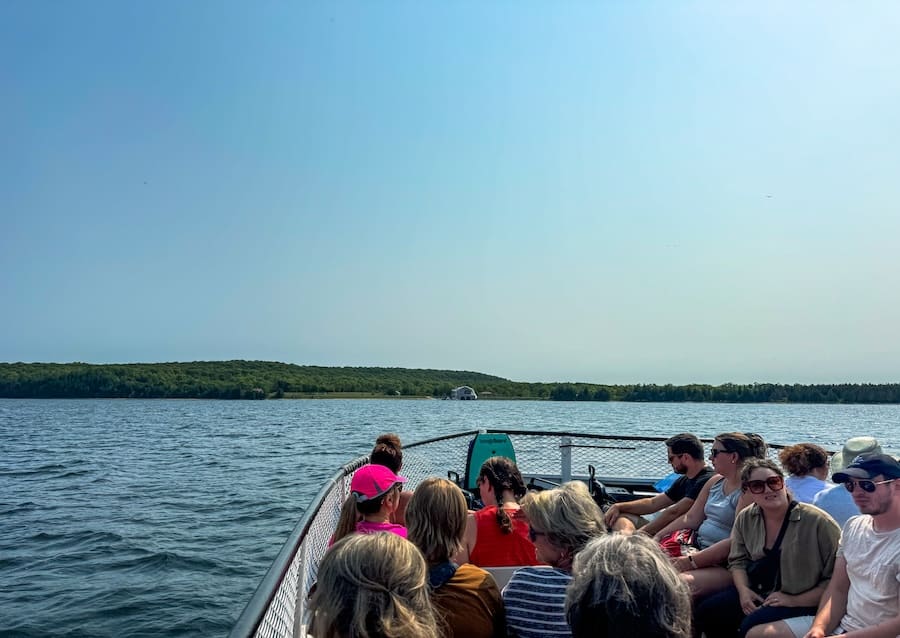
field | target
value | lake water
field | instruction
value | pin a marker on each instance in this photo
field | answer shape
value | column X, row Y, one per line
column 158, row 518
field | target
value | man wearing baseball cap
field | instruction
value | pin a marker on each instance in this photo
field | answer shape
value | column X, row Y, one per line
column 835, row 499
column 864, row 593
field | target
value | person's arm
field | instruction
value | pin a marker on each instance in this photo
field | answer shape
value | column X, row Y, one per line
column 666, row 516
column 710, row 557
column 469, row 537
column 739, row 558
column 834, row 602
column 717, row 553
column 750, row 600
column 694, row 516
column 641, row 506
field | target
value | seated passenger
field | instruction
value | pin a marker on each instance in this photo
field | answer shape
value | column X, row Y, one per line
column 835, row 499
column 685, row 452
column 790, row 547
column 863, row 597
column 388, row 451
column 373, row 585
column 625, row 587
column 807, row 464
column 561, row 521
column 497, row 534
column 712, row 514
column 465, row 597
column 374, row 495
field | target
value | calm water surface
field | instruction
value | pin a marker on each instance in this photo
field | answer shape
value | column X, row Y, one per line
column 140, row 518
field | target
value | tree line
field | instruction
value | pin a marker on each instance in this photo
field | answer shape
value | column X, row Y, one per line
column 271, row 380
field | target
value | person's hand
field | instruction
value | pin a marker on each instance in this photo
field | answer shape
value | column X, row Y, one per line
column 814, row 632
column 682, row 563
column 779, row 599
column 750, row 600
column 611, row 514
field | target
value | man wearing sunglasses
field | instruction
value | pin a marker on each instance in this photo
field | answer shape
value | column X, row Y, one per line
column 835, row 499
column 864, row 593
column 685, row 453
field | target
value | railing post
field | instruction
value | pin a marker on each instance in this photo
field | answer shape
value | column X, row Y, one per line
column 565, row 455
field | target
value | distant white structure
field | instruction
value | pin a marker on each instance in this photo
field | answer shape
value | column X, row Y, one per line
column 463, row 393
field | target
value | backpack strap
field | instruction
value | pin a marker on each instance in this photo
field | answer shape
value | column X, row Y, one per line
column 784, row 525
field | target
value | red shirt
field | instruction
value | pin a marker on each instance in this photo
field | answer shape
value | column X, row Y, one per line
column 493, row 548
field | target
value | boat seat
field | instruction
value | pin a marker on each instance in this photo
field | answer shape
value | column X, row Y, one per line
column 481, row 448
column 503, row 574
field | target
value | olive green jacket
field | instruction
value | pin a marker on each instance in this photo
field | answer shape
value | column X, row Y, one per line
column 807, row 552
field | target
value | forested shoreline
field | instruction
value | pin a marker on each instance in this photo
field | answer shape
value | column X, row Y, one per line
column 272, row 380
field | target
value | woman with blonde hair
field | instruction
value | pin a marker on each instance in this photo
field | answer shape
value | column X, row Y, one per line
column 372, row 586
column 561, row 521
column 625, row 587
column 497, row 534
column 712, row 514
column 465, row 596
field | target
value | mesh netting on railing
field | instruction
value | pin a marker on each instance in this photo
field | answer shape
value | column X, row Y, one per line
column 536, row 454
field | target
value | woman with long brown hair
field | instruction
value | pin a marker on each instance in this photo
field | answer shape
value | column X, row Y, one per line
column 497, row 534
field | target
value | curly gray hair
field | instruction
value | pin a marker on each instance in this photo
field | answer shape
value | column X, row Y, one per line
column 624, row 586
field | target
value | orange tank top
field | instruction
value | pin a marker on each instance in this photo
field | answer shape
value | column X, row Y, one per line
column 493, row 548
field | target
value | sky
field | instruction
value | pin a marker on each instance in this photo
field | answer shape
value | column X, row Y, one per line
column 607, row 192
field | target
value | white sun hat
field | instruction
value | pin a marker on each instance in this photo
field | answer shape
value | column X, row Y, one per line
column 852, row 448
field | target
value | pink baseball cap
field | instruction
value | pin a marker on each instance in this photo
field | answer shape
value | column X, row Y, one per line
column 372, row 481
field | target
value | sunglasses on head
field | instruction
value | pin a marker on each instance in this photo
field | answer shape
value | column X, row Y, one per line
column 774, row 483
column 867, row 486
column 533, row 534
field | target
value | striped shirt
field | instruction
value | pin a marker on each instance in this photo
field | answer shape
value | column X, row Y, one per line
column 535, row 603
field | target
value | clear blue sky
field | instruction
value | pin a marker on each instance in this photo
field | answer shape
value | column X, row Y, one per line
column 603, row 191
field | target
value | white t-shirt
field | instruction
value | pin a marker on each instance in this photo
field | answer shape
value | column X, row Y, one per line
column 873, row 565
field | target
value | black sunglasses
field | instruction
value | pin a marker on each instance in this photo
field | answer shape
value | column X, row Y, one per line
column 867, row 486
column 774, row 483
column 533, row 534
column 713, row 453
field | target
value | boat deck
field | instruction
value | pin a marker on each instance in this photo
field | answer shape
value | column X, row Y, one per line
column 628, row 467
